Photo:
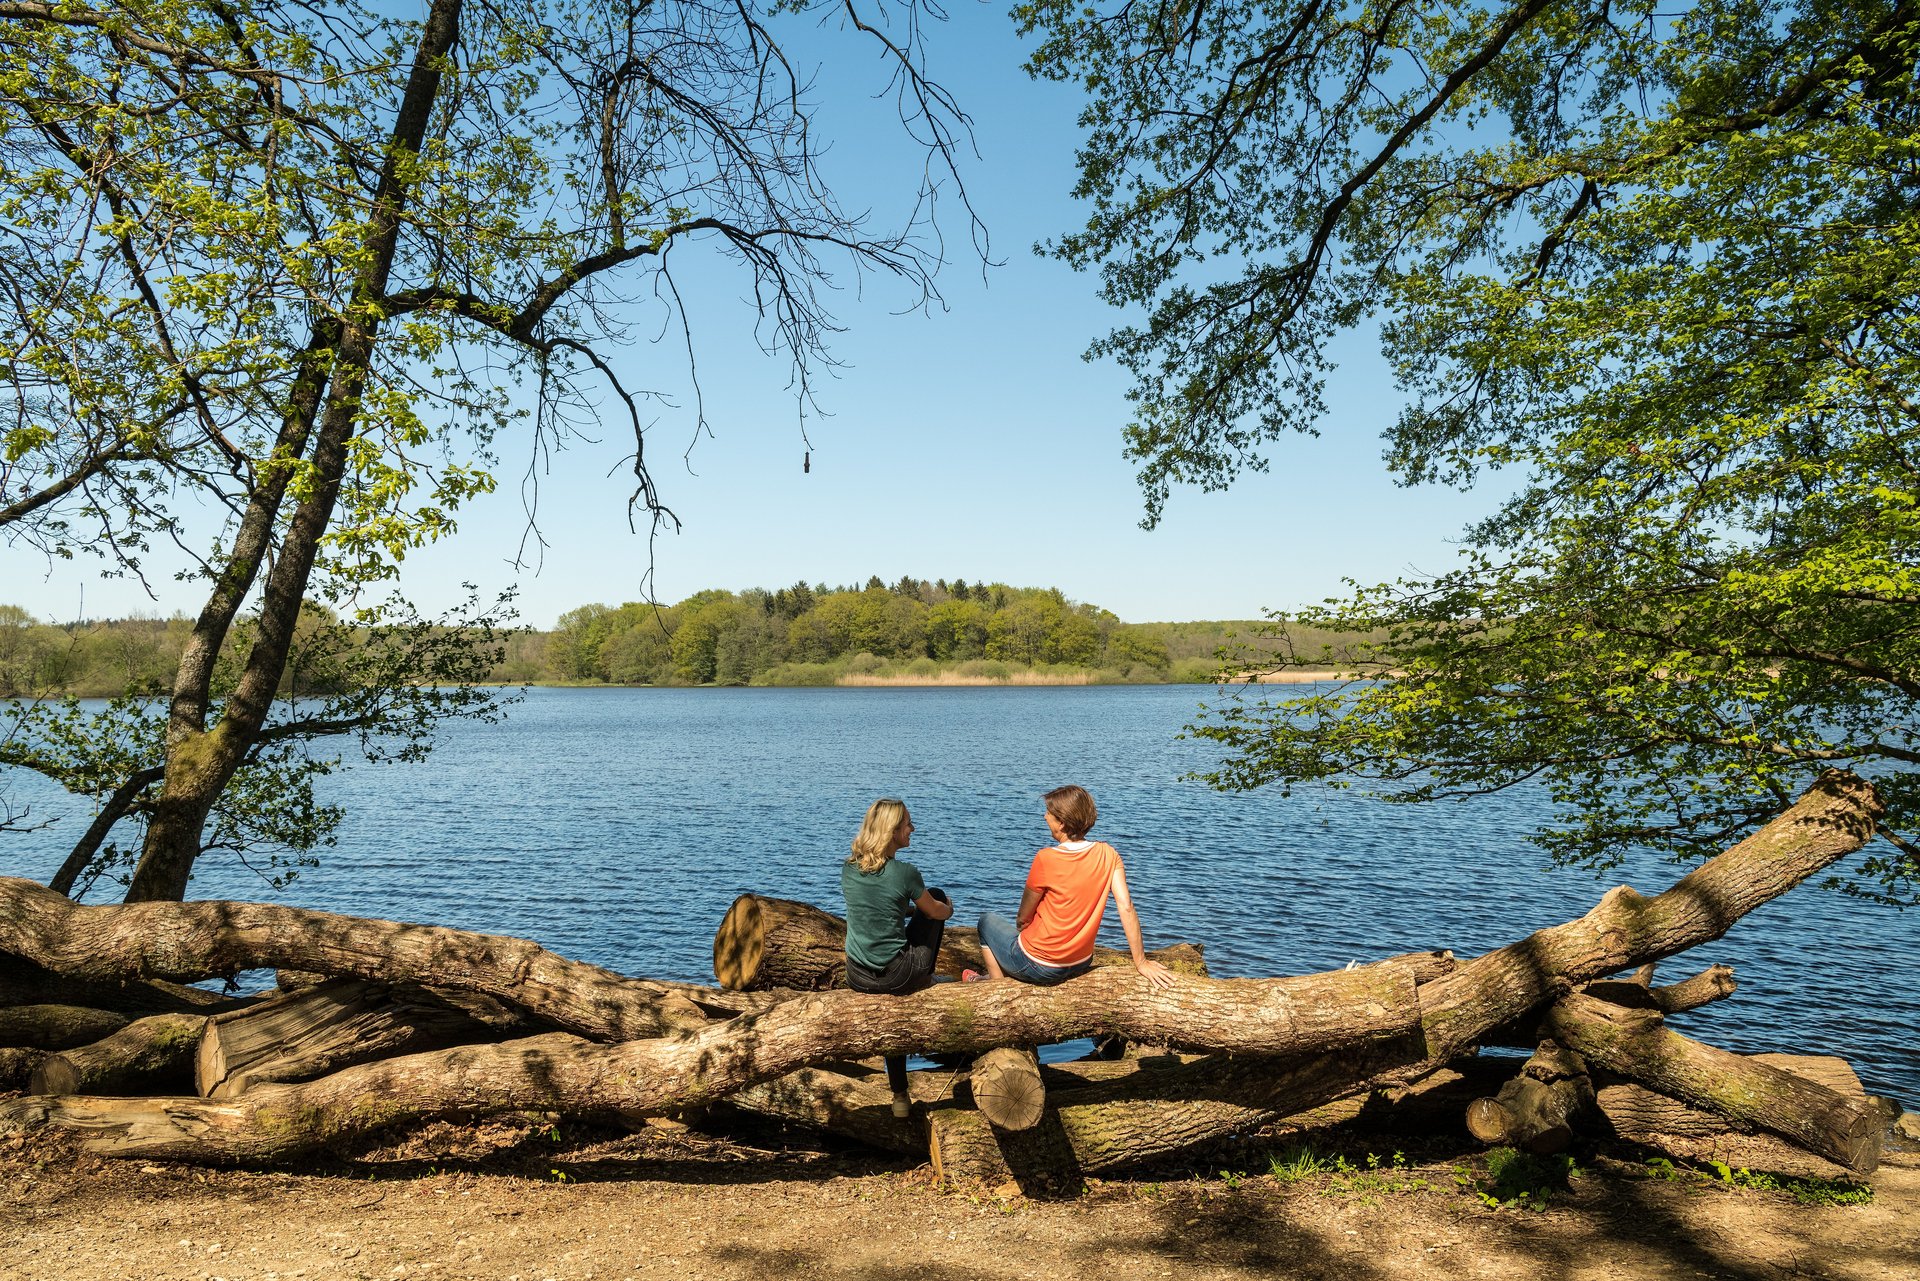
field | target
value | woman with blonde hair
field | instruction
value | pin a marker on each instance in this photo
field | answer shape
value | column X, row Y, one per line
column 894, row 922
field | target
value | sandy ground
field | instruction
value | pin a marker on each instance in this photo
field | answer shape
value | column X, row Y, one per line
column 522, row 1202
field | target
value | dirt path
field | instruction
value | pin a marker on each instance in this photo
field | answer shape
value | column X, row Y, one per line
column 670, row 1204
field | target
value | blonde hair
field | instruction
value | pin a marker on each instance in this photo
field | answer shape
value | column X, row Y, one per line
column 874, row 845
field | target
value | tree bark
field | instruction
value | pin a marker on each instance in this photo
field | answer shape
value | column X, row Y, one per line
column 1317, row 1037
column 201, row 762
column 1634, row 1044
column 1537, row 1109
column 1634, row 1114
column 1007, row 1089
column 768, row 943
column 337, row 1025
column 1712, row 984
column 153, row 1055
column 56, row 1027
column 196, row 940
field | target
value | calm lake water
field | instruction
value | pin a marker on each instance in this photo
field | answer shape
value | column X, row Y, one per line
column 617, row 825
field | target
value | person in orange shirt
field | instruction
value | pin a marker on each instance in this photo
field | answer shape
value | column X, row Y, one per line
column 1065, row 899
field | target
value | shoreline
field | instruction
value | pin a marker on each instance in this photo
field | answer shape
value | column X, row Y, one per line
column 966, row 680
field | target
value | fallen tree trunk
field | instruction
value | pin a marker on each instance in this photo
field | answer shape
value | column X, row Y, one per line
column 1156, row 1112
column 56, row 1027
column 1536, row 1110
column 1335, row 1033
column 191, row 941
column 664, row 1075
column 153, row 1055
column 770, row 943
column 1634, row 1114
column 1121, row 1126
column 1634, row 1044
column 337, row 1024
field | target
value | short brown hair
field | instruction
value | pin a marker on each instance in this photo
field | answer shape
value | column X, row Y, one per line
column 1073, row 807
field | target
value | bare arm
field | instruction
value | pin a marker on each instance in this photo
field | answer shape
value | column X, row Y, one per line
column 1155, row 973
column 934, row 909
column 1029, row 904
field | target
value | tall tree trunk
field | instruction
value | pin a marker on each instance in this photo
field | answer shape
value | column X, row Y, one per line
column 201, row 763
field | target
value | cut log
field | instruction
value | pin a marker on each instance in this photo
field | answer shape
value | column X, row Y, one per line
column 775, row 942
column 767, row 943
column 1322, row 1037
column 192, row 941
column 56, row 1027
column 1634, row 1044
column 1007, row 1089
column 1537, row 1109
column 153, row 1055
column 1042, row 1161
column 337, row 1024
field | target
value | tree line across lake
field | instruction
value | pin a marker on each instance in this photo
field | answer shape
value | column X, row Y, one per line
column 912, row 630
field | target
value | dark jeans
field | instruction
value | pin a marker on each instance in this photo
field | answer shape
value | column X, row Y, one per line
column 909, row 971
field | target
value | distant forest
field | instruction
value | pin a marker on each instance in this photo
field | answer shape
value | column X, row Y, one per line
column 910, row 631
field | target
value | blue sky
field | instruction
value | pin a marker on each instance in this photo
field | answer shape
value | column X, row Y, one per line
column 972, row 442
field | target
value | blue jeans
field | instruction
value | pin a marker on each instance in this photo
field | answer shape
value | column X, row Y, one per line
column 998, row 935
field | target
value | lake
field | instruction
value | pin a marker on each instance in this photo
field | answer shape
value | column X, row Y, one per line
column 616, row 825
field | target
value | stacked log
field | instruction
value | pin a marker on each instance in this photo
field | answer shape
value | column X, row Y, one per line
column 153, row 1055
column 316, row 1030
column 1250, row 1051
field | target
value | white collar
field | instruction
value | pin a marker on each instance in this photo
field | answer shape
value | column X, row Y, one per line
column 1074, row 847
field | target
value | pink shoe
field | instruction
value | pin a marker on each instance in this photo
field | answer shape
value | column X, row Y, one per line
column 971, row 976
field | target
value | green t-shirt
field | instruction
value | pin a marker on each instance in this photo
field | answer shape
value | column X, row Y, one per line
column 878, row 904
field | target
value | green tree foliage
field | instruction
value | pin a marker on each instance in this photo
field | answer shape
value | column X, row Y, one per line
column 1656, row 261
column 295, row 262
column 753, row 637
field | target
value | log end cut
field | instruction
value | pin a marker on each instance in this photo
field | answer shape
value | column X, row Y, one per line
column 740, row 944
column 1008, row 1090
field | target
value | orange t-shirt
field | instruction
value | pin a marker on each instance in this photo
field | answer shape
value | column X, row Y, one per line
column 1073, row 898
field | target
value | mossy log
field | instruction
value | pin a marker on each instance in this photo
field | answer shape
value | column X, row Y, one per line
column 1287, row 1044
column 337, row 1024
column 1538, row 1108
column 1634, row 1114
column 153, row 1055
column 1634, row 1044
column 767, row 943
column 56, row 1027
